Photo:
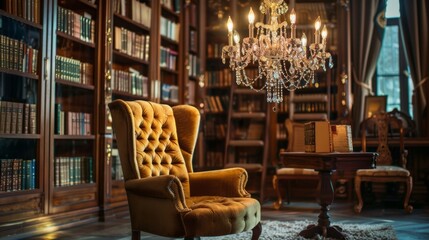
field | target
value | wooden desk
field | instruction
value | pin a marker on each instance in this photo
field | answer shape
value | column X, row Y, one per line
column 325, row 164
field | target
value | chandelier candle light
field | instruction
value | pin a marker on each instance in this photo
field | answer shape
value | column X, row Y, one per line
column 285, row 62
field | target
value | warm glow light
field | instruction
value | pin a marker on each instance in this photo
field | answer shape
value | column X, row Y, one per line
column 229, row 24
column 324, row 32
column 293, row 17
column 284, row 61
column 236, row 38
column 251, row 16
column 304, row 40
column 317, row 24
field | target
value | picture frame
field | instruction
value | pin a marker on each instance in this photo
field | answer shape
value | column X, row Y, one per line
column 374, row 104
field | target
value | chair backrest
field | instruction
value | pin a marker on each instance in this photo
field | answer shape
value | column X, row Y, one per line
column 148, row 141
column 379, row 125
column 408, row 125
column 295, row 135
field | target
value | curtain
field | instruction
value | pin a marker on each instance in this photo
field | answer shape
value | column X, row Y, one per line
column 367, row 26
column 414, row 26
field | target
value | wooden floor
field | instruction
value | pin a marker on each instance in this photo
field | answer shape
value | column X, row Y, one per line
column 407, row 226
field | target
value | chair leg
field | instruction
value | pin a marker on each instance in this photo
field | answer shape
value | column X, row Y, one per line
column 277, row 204
column 359, row 205
column 408, row 208
column 256, row 231
column 135, row 235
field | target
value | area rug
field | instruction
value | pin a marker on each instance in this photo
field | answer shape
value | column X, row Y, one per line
column 289, row 230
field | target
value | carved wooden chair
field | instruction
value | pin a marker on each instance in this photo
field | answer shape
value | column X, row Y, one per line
column 156, row 144
column 295, row 133
column 381, row 126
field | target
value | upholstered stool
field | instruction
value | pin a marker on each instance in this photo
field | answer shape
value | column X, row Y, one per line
column 213, row 216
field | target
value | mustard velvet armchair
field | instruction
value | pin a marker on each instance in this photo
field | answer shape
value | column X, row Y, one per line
column 156, row 145
column 383, row 126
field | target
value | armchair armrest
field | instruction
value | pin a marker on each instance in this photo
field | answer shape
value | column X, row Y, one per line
column 230, row 182
column 163, row 187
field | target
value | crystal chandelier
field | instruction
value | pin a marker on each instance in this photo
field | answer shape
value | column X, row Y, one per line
column 283, row 61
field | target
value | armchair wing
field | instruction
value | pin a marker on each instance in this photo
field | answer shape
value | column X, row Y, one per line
column 229, row 182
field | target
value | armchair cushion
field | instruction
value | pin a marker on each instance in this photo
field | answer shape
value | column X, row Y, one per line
column 393, row 171
column 229, row 182
column 212, row 216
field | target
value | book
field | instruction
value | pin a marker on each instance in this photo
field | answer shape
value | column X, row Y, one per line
column 342, row 138
column 317, row 136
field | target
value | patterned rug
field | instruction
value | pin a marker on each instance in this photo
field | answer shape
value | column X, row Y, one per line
column 289, row 230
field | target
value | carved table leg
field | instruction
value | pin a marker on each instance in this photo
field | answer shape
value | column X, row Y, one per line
column 323, row 224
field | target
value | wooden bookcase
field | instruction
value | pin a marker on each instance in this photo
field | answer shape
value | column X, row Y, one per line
column 22, row 95
column 61, row 63
column 72, row 106
column 218, row 80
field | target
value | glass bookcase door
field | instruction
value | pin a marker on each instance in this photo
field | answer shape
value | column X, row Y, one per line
column 21, row 103
column 74, row 105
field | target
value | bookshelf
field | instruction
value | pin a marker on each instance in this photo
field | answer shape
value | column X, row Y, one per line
column 72, row 105
column 61, row 63
column 218, row 80
column 22, row 93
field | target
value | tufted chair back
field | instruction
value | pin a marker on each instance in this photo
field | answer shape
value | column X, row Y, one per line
column 154, row 149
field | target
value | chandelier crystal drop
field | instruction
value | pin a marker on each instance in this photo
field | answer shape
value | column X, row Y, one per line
column 283, row 61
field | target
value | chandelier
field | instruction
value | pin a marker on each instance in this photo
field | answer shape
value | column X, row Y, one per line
column 283, row 60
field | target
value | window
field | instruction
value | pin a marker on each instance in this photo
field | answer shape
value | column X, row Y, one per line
column 391, row 75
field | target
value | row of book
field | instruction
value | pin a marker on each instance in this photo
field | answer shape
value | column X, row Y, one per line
column 129, row 81
column 17, row 174
column 27, row 9
column 131, row 43
column 220, row 78
column 133, row 9
column 170, row 92
column 173, row 5
column 214, row 50
column 74, row 70
column 214, row 129
column 117, row 173
column 310, row 107
column 17, row 55
column 214, row 159
column 71, row 123
column 193, row 40
column 216, row 103
column 249, row 103
column 71, row 171
column 190, row 92
column 168, row 58
column 17, row 118
column 169, row 29
column 194, row 65
column 283, row 107
column 75, row 24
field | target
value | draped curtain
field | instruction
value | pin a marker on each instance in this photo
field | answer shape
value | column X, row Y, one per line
column 367, row 25
column 414, row 25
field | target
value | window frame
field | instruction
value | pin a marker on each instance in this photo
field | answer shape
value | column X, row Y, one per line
column 403, row 70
